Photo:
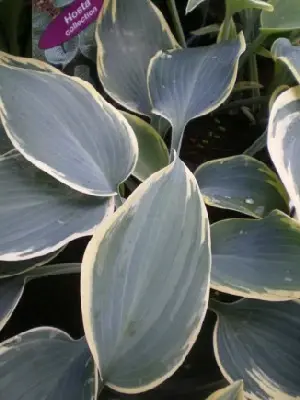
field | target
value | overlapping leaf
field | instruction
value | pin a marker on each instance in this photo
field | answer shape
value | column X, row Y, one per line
column 257, row 258
column 283, row 141
column 27, row 63
column 46, row 363
column 187, row 83
column 12, row 268
column 73, row 134
column 258, row 341
column 129, row 34
column 242, row 184
column 236, row 6
column 38, row 215
column 285, row 17
column 192, row 4
column 11, row 291
column 231, row 392
column 153, row 153
column 145, row 279
column 284, row 51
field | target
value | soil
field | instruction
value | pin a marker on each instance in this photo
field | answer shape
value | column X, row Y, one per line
column 55, row 301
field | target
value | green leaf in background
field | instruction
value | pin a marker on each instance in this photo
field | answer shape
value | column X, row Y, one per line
column 186, row 83
column 153, row 153
column 231, row 392
column 283, row 141
column 46, row 363
column 285, row 16
column 192, row 4
column 236, row 6
column 258, row 341
column 145, row 277
column 284, row 51
column 241, row 183
column 11, row 291
column 12, row 268
column 73, row 134
column 257, row 258
column 38, row 214
column 129, row 34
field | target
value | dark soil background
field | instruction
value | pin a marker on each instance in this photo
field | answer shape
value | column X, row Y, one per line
column 55, row 301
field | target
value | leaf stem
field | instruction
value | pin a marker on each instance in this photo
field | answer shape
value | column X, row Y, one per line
column 53, row 269
column 243, row 102
column 251, row 48
column 225, row 34
column 177, row 23
column 258, row 145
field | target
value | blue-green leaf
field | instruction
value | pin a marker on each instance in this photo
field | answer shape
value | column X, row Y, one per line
column 45, row 363
column 186, row 83
column 284, row 51
column 258, row 341
column 129, row 34
column 283, row 141
column 63, row 54
column 243, row 184
column 73, row 134
column 11, row 291
column 257, row 258
column 153, row 153
column 192, row 4
column 145, row 278
column 38, row 215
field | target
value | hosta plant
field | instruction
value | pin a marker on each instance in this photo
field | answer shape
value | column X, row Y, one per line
column 154, row 264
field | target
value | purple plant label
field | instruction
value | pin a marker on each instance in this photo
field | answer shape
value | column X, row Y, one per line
column 70, row 22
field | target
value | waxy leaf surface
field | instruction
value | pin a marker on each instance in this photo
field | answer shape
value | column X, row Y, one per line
column 145, row 281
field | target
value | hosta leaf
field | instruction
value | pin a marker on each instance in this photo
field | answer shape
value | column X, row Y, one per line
column 283, row 141
column 62, row 3
column 181, row 81
column 38, row 215
column 27, row 63
column 84, row 72
column 73, row 134
column 39, row 22
column 64, row 54
column 285, row 17
column 125, row 49
column 153, row 153
column 242, row 184
column 145, row 278
column 46, row 363
column 284, row 51
column 236, row 6
column 12, row 268
column 257, row 258
column 192, row 4
column 87, row 42
column 231, row 392
column 258, row 341
column 11, row 291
